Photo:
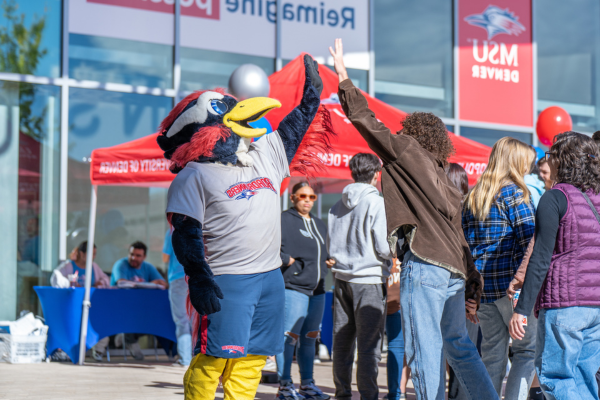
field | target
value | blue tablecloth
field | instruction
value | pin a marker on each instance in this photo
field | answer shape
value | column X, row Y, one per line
column 113, row 311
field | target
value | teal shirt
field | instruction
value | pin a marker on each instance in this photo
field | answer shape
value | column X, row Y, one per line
column 122, row 270
column 175, row 268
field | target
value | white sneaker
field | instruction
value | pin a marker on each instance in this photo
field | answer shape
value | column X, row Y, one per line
column 311, row 391
column 270, row 366
column 323, row 352
column 288, row 392
column 96, row 355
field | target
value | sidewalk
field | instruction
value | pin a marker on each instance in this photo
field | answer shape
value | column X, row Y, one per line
column 121, row 380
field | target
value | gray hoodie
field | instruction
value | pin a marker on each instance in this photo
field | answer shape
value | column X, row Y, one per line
column 357, row 236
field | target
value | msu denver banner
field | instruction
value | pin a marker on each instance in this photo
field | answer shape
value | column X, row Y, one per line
column 234, row 26
column 495, row 65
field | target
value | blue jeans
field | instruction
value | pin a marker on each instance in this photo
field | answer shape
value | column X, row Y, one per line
column 303, row 315
column 434, row 320
column 178, row 290
column 395, row 359
column 568, row 352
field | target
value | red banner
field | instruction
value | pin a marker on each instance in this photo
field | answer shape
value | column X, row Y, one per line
column 193, row 8
column 495, row 62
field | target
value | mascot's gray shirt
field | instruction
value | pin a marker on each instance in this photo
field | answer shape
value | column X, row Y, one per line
column 238, row 207
column 357, row 236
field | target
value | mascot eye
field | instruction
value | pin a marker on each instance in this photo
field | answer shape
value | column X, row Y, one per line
column 218, row 107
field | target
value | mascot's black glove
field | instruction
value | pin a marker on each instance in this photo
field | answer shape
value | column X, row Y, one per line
column 312, row 71
column 189, row 250
column 294, row 125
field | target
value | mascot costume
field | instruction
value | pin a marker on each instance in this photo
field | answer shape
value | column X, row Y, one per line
column 224, row 207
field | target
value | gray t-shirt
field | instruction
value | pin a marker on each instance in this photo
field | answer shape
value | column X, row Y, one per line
column 238, row 207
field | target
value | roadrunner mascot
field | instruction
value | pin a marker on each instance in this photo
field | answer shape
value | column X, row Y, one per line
column 224, row 207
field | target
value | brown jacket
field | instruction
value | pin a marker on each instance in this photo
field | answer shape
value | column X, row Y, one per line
column 420, row 201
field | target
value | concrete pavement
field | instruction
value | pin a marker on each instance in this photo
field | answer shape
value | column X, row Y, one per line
column 121, row 380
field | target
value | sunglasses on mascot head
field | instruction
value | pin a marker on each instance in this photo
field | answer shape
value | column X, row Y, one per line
column 303, row 196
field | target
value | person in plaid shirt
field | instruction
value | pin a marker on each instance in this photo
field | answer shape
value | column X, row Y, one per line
column 498, row 222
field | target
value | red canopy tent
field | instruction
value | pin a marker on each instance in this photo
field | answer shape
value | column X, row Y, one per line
column 287, row 85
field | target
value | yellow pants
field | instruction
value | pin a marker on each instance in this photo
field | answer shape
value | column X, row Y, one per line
column 241, row 377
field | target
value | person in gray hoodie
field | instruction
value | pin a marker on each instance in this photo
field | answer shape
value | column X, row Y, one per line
column 357, row 242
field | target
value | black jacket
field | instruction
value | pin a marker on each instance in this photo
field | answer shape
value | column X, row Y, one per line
column 300, row 240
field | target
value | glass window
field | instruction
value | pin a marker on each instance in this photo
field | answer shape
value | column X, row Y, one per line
column 30, row 33
column 489, row 136
column 569, row 59
column 413, row 55
column 205, row 69
column 359, row 77
column 29, row 177
column 136, row 63
column 99, row 118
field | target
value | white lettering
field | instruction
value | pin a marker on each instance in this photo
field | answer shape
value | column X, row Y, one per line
column 493, row 53
column 482, row 72
column 205, row 5
column 514, row 76
column 485, row 51
column 507, row 57
column 507, row 75
column 475, row 71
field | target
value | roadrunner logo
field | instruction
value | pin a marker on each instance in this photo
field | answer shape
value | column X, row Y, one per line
column 247, row 190
column 233, row 349
column 496, row 21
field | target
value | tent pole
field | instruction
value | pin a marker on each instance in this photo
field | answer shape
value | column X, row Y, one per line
column 88, row 275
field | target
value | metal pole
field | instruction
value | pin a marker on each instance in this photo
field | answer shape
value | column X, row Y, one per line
column 88, row 275
column 278, row 23
column 371, row 74
column 177, row 53
column 534, row 138
column 64, row 135
column 455, row 51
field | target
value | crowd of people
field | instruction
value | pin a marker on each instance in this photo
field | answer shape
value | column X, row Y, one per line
column 516, row 256
column 461, row 281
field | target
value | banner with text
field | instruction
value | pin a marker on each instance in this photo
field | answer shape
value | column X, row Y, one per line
column 233, row 26
column 495, row 61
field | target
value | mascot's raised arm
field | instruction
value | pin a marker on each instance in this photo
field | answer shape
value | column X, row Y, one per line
column 224, row 206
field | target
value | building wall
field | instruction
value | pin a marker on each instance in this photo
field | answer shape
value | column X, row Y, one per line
column 118, row 90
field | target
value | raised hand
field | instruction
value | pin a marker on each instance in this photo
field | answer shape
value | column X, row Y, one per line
column 312, row 72
column 338, row 60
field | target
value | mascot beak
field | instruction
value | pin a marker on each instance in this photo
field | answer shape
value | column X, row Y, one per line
column 246, row 111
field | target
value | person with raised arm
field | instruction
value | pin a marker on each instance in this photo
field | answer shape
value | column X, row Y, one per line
column 438, row 275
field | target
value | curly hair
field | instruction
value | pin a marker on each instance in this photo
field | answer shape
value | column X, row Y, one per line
column 577, row 157
column 431, row 133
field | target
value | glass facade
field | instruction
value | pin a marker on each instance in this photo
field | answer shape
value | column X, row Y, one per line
column 45, row 181
column 569, row 59
column 99, row 118
column 30, row 33
column 413, row 55
column 29, row 171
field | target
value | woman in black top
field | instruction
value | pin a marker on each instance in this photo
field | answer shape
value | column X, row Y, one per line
column 304, row 266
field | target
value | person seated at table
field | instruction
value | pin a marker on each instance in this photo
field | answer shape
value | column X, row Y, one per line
column 135, row 268
column 75, row 266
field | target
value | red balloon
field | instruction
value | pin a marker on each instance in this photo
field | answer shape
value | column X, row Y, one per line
column 552, row 121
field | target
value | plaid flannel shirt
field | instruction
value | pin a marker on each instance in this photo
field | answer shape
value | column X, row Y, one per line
column 499, row 242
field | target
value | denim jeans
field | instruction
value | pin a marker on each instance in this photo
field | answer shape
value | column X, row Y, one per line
column 434, row 320
column 568, row 352
column 178, row 290
column 395, row 358
column 494, row 319
column 303, row 314
column 455, row 390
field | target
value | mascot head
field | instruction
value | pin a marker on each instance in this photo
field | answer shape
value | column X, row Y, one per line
column 212, row 126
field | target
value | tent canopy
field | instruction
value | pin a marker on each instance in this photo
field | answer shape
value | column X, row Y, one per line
column 287, row 85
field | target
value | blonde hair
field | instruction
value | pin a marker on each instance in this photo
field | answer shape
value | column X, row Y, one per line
column 509, row 163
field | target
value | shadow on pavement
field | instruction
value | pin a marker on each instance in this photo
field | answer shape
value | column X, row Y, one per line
column 165, row 385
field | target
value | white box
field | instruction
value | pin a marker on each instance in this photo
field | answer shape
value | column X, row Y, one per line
column 19, row 349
